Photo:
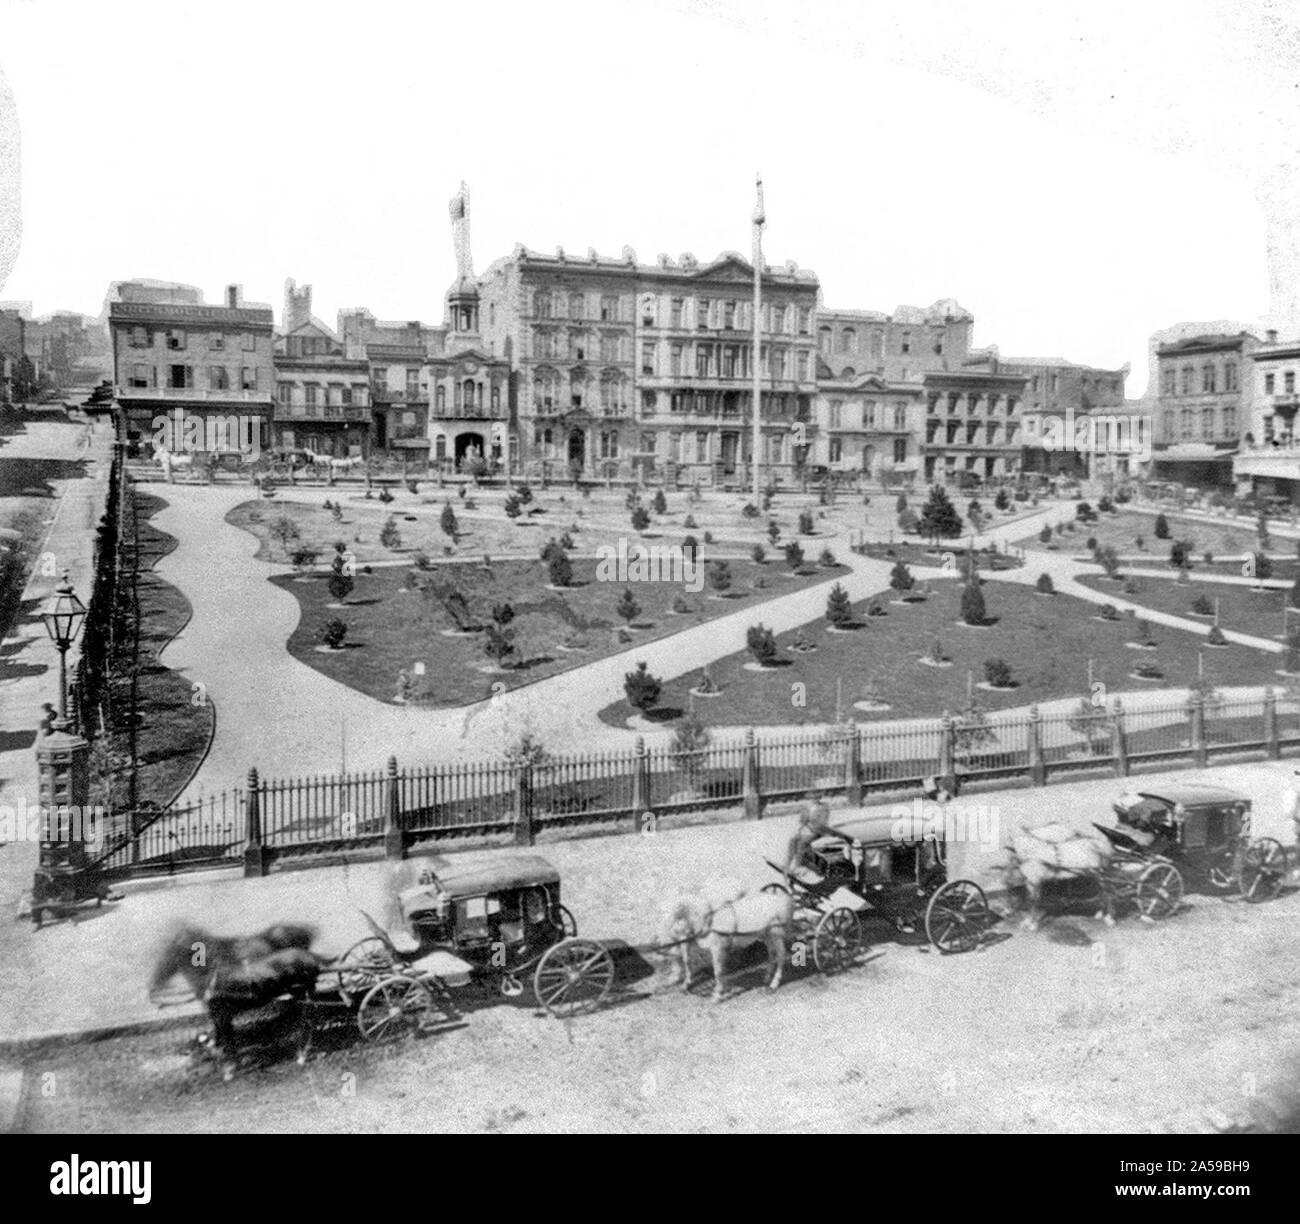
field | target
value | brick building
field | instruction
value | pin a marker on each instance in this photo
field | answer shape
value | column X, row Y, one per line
column 14, row 365
column 177, row 360
column 898, row 347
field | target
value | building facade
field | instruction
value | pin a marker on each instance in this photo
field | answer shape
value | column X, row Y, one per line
column 866, row 425
column 1205, row 398
column 188, row 376
column 972, row 425
column 1268, row 459
column 897, row 347
column 14, row 367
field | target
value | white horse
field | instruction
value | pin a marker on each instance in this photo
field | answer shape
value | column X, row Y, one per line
column 718, row 925
column 346, row 465
column 1052, row 852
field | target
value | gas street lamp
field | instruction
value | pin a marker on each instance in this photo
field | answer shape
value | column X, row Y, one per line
column 63, row 623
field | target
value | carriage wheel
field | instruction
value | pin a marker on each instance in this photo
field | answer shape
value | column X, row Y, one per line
column 394, row 1006
column 565, row 921
column 573, row 977
column 837, row 940
column 957, row 916
column 1159, row 890
column 362, row 964
column 1263, row 870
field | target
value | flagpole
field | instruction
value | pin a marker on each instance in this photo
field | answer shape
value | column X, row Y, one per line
column 759, row 219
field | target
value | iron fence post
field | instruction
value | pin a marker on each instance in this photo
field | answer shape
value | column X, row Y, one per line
column 852, row 766
column 1196, row 711
column 749, row 781
column 254, row 851
column 1272, row 742
column 524, row 805
column 1034, row 735
column 641, row 780
column 394, row 847
column 947, row 768
column 1118, row 739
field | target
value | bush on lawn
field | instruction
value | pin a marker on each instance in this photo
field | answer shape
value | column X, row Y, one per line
column 750, row 511
column 340, row 586
column 499, row 644
column 304, row 558
column 689, row 522
column 1091, row 544
column 1045, row 585
column 513, row 507
column 389, row 536
column 1262, row 566
column 640, row 519
column 641, row 688
column 839, row 609
column 659, row 503
column 385, row 495
column 559, row 569
column 525, row 494
column 793, row 555
column 972, row 604
column 720, row 576
column 1002, row 501
column 939, row 517
column 1162, row 527
column 1045, row 535
column 1215, row 636
column 997, row 672
column 826, row 559
column 773, row 532
column 908, row 523
column 1202, row 606
column 690, row 548
column 1109, row 612
column 333, row 632
column 1149, row 671
column 757, row 554
column 900, row 578
column 761, row 643
column 447, row 521
column 1106, row 506
column 627, row 606
column 1180, row 553
column 806, row 524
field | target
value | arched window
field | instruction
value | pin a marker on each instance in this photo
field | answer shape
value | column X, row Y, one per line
column 542, row 303
column 1186, row 380
column 1207, row 377
column 612, row 392
column 472, row 401
column 848, row 340
column 546, row 389
column 440, row 398
column 849, row 372
column 496, row 398
column 824, row 339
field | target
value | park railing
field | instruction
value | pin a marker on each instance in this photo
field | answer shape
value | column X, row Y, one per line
column 517, row 801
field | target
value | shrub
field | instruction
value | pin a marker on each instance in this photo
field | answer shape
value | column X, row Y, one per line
column 447, row 521
column 284, row 529
column 641, row 688
column 937, row 652
column 680, row 606
column 689, row 522
column 336, row 512
column 1263, row 566
column 1045, row 585
column 513, row 507
column 972, row 604
column 1142, row 632
column 1202, row 606
column 1139, row 542
column 773, row 532
column 908, row 523
column 720, row 576
column 759, row 556
column 939, row 517
column 385, row 495
column 1109, row 560
column 304, row 558
column 559, row 569
column 793, row 555
column 874, row 609
column 413, row 486
column 659, row 503
column 1123, row 496
column 640, row 519
column 502, row 614
column 997, row 672
column 689, row 744
column 627, row 606
column 750, row 511
column 1105, row 505
column 761, row 643
column 1207, row 557
column 1045, row 536
column 422, row 560
column 826, row 559
column 333, row 632
column 1215, row 636
column 1148, row 671
column 708, row 537
column 1085, row 513
column 1180, row 552
column 1021, row 495
column 1002, row 501
column 340, row 586
column 499, row 643
column 1130, row 587
column 1091, row 544
column 901, row 504
column 389, row 536
column 690, row 548
column 1109, row 612
column 550, row 548
column 839, row 609
column 806, row 524
column 525, row 494
column 900, row 578
column 1162, row 527
column 566, row 542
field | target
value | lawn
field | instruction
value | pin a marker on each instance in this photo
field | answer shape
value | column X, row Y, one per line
column 397, row 617
column 1122, row 529
column 1241, row 608
column 1048, row 641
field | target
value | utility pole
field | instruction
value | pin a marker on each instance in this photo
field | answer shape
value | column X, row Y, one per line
column 759, row 221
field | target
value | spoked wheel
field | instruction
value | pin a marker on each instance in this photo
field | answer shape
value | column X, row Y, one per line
column 564, row 921
column 957, row 916
column 1159, row 890
column 394, row 1006
column 836, row 941
column 365, row 961
column 573, row 977
column 1263, row 870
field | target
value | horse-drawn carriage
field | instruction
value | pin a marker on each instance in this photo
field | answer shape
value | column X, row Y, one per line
column 904, row 880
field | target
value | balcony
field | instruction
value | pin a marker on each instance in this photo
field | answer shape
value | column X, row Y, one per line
column 402, row 395
column 194, row 395
column 321, row 412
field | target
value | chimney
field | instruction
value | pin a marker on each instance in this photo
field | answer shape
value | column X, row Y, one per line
column 1271, row 335
column 234, row 294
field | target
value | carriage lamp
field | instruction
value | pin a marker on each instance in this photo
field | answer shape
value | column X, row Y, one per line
column 63, row 623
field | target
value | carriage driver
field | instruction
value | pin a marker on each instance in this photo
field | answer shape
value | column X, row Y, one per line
column 814, row 823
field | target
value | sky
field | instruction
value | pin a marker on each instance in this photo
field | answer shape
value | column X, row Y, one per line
column 1078, row 175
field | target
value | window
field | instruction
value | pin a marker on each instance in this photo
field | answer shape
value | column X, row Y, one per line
column 542, row 304
column 577, row 306
column 675, row 360
column 703, row 360
column 1168, row 382
column 412, row 384
column 778, row 363
column 906, row 345
column 869, row 414
column 649, row 402
column 180, row 376
column 1230, row 376
column 141, row 375
column 609, row 308
column 823, row 339
column 1288, row 382
column 248, row 378
column 648, row 359
column 780, row 318
column 312, row 395
column 836, row 414
column 900, row 450
column 938, row 345
column 218, row 378
column 1188, row 423
column 1167, row 423
column 1229, row 422
column 848, row 340
column 1207, row 377
column 1207, row 423
column 248, row 342
column 139, row 337
column 676, row 312
column 1269, row 383
column 359, row 394
column 1185, row 381
column 900, row 416
column 701, row 448
column 609, row 444
column 802, row 366
column 729, row 315
column 496, row 399
column 805, row 320
column 611, row 348
column 729, row 361
column 216, row 342
column 440, row 399
column 702, row 308
column 647, row 444
column 836, row 450
column 175, row 338
column 543, row 343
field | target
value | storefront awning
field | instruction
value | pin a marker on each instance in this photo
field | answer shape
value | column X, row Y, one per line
column 1192, row 453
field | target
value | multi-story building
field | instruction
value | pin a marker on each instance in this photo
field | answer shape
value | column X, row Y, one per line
column 898, row 347
column 621, row 364
column 1268, row 460
column 177, row 361
column 972, row 424
column 13, row 356
column 1204, row 402
column 68, row 349
column 322, row 396
column 865, row 424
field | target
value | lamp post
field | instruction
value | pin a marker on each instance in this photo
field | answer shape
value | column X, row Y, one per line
column 63, row 622
column 759, row 220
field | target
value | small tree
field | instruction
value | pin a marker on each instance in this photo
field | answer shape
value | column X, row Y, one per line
column 1090, row 723
column 499, row 644
column 900, row 503
column 385, row 495
column 1002, row 501
column 502, row 614
column 627, row 606
column 908, row 523
column 826, row 559
column 303, row 558
column 1292, row 663
column 284, row 529
column 720, row 576
column 839, row 609
column 750, row 511
column 997, row 672
column 1045, row 585
column 773, row 532
column 793, row 555
column 333, row 632
column 447, row 521
column 1263, row 566
column 1045, row 536
column 690, row 548
column 1202, row 606
column 1085, row 513
column 1180, row 554
column 559, row 569
column 900, row 578
column 525, row 494
column 340, row 586
column 513, row 507
column 640, row 519
column 389, row 536
column 641, row 688
column 939, row 517
column 1162, row 527
column 972, row 604
column 806, row 524
column 1108, row 558
column 761, row 643
column 759, row 557
column 660, row 503
column 690, row 744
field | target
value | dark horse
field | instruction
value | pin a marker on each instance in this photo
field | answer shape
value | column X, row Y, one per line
column 234, row 975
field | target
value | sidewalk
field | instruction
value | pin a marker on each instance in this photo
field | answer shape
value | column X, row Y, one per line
column 90, row 975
